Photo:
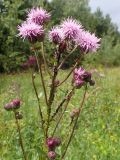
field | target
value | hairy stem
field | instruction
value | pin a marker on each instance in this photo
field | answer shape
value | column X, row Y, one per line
column 68, row 98
column 74, row 126
column 20, row 137
column 40, row 111
column 42, row 79
column 68, row 75
column 44, row 58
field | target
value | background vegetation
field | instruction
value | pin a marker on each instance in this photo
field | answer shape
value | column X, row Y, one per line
column 12, row 12
column 98, row 135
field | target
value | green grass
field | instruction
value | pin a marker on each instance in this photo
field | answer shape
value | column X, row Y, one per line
column 98, row 133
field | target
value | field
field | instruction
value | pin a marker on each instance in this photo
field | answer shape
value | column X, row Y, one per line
column 98, row 135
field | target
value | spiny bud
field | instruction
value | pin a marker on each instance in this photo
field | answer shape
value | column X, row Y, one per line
column 74, row 113
column 18, row 115
column 51, row 155
column 56, row 83
column 92, row 83
column 16, row 103
column 8, row 106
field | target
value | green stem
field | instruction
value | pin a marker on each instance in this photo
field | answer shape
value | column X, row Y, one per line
column 44, row 58
column 42, row 79
column 20, row 137
column 69, row 96
column 73, row 130
column 40, row 111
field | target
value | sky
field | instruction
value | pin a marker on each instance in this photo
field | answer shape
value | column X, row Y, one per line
column 111, row 7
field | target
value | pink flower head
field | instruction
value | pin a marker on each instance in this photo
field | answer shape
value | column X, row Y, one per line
column 8, row 106
column 88, row 42
column 16, row 103
column 56, row 35
column 80, row 76
column 38, row 16
column 51, row 155
column 71, row 28
column 53, row 142
column 31, row 31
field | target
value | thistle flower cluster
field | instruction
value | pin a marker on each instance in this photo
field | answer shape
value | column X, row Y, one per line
column 71, row 30
column 32, row 29
column 66, row 37
column 81, row 76
column 52, row 143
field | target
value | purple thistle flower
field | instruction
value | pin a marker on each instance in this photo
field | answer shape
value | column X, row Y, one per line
column 8, row 106
column 16, row 103
column 80, row 76
column 71, row 28
column 88, row 42
column 56, row 35
column 51, row 155
column 51, row 144
column 38, row 16
column 31, row 31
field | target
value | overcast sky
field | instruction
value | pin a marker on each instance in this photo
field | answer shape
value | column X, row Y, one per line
column 111, row 7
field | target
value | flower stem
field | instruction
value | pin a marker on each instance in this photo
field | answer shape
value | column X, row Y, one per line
column 68, row 98
column 40, row 111
column 68, row 75
column 73, row 130
column 20, row 137
column 44, row 58
column 42, row 79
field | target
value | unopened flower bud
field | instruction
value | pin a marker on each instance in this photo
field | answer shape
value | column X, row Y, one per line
column 74, row 113
column 57, row 141
column 16, row 103
column 8, row 106
column 56, row 82
column 92, row 83
column 51, row 155
column 18, row 115
column 51, row 144
column 62, row 47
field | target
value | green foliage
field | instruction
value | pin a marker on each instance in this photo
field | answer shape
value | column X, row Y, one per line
column 12, row 13
column 97, row 136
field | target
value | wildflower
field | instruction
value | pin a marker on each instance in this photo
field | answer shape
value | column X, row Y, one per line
column 38, row 16
column 80, row 77
column 52, row 143
column 71, row 28
column 8, row 106
column 31, row 31
column 56, row 35
column 88, row 42
column 16, row 103
column 51, row 155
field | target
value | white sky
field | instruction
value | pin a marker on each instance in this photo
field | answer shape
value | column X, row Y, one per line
column 112, row 7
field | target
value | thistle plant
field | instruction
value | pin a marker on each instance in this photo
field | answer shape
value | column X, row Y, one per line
column 66, row 39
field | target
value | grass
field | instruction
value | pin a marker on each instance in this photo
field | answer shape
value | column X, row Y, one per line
column 98, row 133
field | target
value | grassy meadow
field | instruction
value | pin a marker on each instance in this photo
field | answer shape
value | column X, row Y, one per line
column 98, row 133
